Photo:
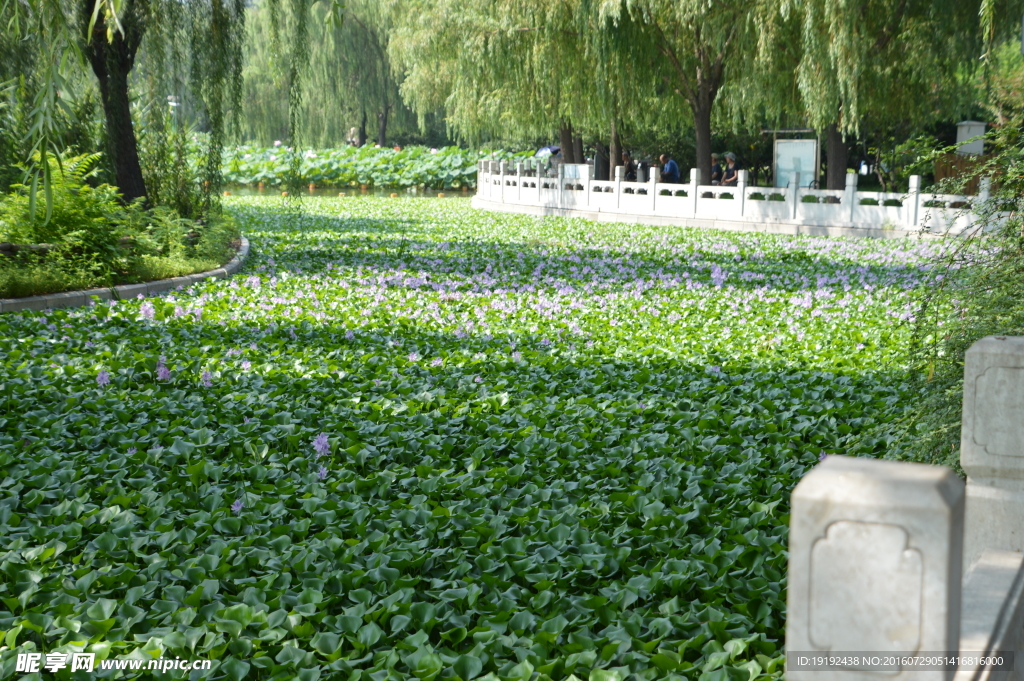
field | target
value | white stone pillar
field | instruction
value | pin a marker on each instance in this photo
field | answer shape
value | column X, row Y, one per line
column 693, row 190
column 793, row 194
column 653, row 181
column 993, row 615
column 992, row 445
column 914, row 197
column 850, row 196
column 742, row 177
column 874, row 566
column 560, row 184
column 519, row 181
column 502, row 173
column 985, row 189
column 586, row 179
column 620, row 177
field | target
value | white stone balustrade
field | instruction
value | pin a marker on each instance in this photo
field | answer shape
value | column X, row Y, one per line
column 792, row 209
column 992, row 445
column 877, row 547
column 874, row 563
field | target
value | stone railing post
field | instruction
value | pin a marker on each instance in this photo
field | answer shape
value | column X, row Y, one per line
column 985, row 189
column 693, row 190
column 519, row 181
column 850, row 196
column 502, row 172
column 620, row 177
column 992, row 445
column 875, row 551
column 560, row 184
column 984, row 194
column 992, row 623
column 742, row 177
column 914, row 197
column 586, row 180
column 793, row 194
column 653, row 181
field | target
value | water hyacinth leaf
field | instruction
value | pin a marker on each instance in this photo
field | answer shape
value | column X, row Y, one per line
column 428, row 667
column 542, row 441
column 468, row 667
column 234, row 669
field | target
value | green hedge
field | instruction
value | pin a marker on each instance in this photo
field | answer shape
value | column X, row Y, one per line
column 351, row 166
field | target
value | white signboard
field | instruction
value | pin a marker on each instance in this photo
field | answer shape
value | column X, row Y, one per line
column 796, row 156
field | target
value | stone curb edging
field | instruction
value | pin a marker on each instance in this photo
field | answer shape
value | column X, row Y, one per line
column 788, row 227
column 123, row 292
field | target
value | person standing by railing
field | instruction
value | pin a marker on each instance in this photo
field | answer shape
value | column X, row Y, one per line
column 669, row 170
column 716, row 170
column 731, row 176
column 630, row 167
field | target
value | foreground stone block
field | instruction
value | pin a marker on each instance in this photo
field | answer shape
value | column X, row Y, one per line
column 875, row 553
column 993, row 616
column 992, row 445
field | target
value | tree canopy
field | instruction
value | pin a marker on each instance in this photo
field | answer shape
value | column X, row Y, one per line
column 514, row 72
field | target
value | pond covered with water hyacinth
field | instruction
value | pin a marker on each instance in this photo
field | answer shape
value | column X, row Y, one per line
column 417, row 440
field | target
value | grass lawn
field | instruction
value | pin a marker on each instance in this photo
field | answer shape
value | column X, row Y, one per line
column 416, row 440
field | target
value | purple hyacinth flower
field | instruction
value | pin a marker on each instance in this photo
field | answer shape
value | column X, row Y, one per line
column 321, row 445
column 207, row 379
column 237, row 506
column 162, row 372
column 322, row 473
column 147, row 310
column 103, row 378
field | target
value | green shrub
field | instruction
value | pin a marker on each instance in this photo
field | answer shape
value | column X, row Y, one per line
column 29, row 279
column 89, row 238
column 83, row 225
column 978, row 295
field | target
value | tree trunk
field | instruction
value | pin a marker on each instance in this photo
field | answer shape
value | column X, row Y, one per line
column 614, row 152
column 601, row 162
column 837, row 157
column 382, row 130
column 577, row 149
column 112, row 61
column 565, row 142
column 702, row 128
column 361, row 134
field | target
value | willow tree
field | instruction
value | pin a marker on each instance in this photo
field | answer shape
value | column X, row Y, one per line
column 508, row 69
column 347, row 80
column 885, row 62
column 688, row 48
column 106, row 36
